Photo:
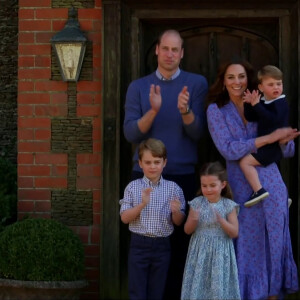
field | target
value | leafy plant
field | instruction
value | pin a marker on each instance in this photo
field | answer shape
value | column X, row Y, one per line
column 40, row 250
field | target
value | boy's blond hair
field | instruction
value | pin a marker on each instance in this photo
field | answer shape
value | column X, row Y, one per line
column 155, row 146
column 269, row 71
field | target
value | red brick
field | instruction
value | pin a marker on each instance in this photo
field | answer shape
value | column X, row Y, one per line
column 87, row 158
column 26, row 38
column 26, row 61
column 86, row 25
column 59, row 98
column 25, row 158
column 96, row 219
column 25, row 134
column 35, row 3
column 97, row 134
column 34, row 194
column 89, row 13
column 59, row 170
column 25, row 206
column 50, row 182
column 25, row 182
column 85, row 98
column 27, row 86
column 33, row 98
column 42, row 206
column 91, row 274
column 95, row 235
column 32, row 49
column 96, row 207
column 42, row 134
column 27, row 170
column 42, row 62
column 34, row 25
column 88, row 183
column 88, row 111
column 97, row 48
column 34, row 73
column 57, row 13
column 34, row 146
column 97, row 25
column 96, row 147
column 48, row 85
column 97, row 62
column 47, row 110
column 34, row 123
column 58, row 25
column 92, row 250
column 26, row 13
column 98, row 3
column 85, row 170
column 51, row 158
column 43, row 37
column 96, row 196
column 94, row 36
column 25, row 110
column 97, row 76
column 88, row 86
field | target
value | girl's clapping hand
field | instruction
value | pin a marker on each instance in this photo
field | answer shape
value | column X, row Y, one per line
column 194, row 213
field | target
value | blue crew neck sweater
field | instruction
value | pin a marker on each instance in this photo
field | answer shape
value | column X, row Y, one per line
column 180, row 140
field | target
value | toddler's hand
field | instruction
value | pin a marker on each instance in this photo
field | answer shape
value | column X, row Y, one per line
column 251, row 98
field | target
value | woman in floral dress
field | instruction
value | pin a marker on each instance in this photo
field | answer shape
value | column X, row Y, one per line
column 263, row 249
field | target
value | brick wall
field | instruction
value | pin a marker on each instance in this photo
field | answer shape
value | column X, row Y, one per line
column 59, row 126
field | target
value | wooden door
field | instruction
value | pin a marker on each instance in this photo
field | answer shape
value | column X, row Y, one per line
column 205, row 47
column 261, row 36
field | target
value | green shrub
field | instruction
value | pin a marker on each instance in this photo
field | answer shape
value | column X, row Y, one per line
column 40, row 250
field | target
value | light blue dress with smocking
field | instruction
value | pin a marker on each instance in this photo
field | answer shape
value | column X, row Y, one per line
column 210, row 270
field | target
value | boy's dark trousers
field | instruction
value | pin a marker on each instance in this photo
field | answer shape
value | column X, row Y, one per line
column 148, row 264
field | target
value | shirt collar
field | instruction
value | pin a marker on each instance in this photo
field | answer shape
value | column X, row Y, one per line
column 270, row 101
column 149, row 182
column 161, row 77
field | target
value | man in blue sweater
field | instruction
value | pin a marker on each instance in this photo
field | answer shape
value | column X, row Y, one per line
column 169, row 105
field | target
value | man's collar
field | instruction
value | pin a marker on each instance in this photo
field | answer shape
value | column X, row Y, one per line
column 161, row 77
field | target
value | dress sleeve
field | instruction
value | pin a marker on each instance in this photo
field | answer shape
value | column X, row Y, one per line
column 231, row 205
column 230, row 142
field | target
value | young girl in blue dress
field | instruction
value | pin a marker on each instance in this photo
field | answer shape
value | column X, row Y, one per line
column 211, row 269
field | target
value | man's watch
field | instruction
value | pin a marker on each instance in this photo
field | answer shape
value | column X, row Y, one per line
column 187, row 110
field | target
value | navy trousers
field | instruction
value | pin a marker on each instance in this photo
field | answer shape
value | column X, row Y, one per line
column 148, row 264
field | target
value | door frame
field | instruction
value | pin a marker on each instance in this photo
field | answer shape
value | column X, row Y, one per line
column 121, row 21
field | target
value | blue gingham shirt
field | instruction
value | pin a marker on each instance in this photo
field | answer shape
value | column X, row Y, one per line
column 155, row 219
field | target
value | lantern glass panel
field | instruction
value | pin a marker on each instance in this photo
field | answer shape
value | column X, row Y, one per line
column 69, row 55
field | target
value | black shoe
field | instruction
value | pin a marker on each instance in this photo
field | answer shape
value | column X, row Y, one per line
column 256, row 197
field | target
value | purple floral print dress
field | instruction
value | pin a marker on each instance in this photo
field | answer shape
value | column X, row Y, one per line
column 263, row 248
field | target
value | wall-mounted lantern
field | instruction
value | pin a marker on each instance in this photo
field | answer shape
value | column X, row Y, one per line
column 69, row 46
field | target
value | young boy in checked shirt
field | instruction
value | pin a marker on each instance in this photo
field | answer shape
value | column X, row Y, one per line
column 151, row 205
